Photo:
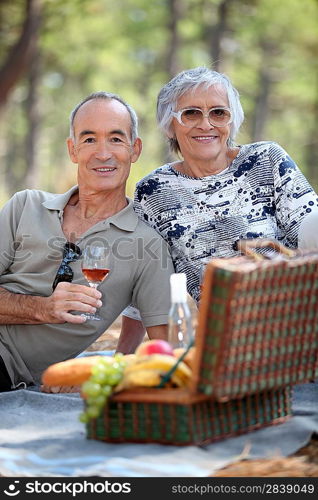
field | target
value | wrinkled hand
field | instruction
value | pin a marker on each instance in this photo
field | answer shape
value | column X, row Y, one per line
column 70, row 297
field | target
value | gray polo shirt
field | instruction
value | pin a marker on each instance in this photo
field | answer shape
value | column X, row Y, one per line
column 31, row 250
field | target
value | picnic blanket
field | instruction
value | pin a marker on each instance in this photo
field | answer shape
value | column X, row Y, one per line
column 41, row 436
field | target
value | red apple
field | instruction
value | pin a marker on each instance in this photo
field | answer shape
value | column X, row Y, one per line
column 155, row 346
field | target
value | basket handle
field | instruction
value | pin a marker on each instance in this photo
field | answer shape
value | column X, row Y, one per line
column 167, row 376
column 248, row 246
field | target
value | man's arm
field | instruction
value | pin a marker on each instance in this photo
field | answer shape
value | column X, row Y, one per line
column 133, row 333
column 16, row 308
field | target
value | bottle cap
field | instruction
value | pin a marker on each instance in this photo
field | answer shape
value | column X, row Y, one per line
column 178, row 287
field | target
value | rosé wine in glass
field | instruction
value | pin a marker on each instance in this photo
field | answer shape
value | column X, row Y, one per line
column 95, row 267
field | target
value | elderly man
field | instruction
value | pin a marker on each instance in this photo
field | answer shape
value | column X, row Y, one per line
column 44, row 234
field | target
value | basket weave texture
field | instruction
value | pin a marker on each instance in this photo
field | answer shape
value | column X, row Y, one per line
column 198, row 422
column 257, row 336
column 263, row 321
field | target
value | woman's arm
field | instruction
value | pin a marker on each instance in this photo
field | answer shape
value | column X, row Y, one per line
column 131, row 335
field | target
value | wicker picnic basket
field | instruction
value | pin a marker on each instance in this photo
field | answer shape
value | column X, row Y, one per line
column 257, row 336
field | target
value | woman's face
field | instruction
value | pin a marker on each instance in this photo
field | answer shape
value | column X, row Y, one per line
column 203, row 142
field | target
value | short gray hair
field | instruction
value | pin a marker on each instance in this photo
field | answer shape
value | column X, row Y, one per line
column 190, row 80
column 107, row 95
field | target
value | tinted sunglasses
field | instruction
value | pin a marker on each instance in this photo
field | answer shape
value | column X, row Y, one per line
column 71, row 252
column 191, row 117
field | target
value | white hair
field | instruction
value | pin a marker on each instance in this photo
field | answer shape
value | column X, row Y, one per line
column 190, row 80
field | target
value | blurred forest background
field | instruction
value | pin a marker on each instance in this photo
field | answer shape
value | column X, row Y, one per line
column 55, row 52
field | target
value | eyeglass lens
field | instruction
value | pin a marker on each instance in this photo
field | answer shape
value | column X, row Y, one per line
column 219, row 117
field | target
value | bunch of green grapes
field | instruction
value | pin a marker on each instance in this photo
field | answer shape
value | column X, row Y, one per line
column 97, row 389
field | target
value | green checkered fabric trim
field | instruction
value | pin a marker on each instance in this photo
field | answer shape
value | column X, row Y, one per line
column 262, row 328
column 191, row 424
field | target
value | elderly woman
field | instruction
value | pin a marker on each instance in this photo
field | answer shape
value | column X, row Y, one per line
column 217, row 192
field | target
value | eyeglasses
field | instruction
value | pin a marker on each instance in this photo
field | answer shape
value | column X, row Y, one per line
column 71, row 252
column 190, row 117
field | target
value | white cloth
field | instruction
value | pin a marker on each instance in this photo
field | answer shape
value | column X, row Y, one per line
column 308, row 232
column 41, row 436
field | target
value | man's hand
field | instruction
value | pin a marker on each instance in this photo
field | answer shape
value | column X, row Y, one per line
column 16, row 308
column 70, row 297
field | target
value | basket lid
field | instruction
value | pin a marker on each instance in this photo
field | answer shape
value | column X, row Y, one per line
column 257, row 325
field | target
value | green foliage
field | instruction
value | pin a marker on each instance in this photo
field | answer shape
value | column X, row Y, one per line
column 122, row 46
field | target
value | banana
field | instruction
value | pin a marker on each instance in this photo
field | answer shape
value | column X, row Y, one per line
column 152, row 361
column 189, row 358
column 178, row 381
column 129, row 359
column 161, row 362
column 146, row 371
column 141, row 378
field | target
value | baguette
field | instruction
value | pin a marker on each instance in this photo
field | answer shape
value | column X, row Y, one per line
column 71, row 372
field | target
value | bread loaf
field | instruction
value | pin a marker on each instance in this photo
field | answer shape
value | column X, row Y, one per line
column 71, row 372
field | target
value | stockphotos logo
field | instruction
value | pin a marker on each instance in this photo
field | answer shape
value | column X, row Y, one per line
column 13, row 489
column 74, row 488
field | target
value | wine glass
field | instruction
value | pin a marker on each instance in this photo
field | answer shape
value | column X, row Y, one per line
column 95, row 267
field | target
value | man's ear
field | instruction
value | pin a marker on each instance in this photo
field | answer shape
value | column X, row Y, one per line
column 71, row 149
column 137, row 148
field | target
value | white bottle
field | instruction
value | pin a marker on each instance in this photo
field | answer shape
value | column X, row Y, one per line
column 180, row 331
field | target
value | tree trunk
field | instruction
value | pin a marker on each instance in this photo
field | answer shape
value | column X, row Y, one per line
column 31, row 175
column 260, row 114
column 12, row 160
column 215, row 33
column 21, row 53
column 175, row 13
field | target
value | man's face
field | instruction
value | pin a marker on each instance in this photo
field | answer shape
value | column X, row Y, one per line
column 102, row 145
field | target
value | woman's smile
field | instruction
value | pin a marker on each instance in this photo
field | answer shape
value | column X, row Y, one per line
column 204, row 146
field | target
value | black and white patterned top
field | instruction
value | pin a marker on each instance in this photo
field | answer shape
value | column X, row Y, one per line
column 261, row 194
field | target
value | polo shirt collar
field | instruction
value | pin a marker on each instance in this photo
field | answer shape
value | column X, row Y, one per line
column 58, row 201
column 126, row 219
